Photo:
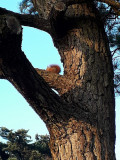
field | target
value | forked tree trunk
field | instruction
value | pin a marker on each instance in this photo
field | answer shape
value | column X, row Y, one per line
column 90, row 134
column 81, row 121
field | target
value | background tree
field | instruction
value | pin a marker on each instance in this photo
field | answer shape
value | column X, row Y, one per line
column 112, row 28
column 81, row 119
column 19, row 145
column 3, row 154
column 42, row 144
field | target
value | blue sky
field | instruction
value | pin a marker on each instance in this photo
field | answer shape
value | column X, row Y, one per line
column 38, row 47
column 15, row 112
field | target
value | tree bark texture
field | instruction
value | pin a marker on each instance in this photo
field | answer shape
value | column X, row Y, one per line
column 81, row 119
column 87, row 63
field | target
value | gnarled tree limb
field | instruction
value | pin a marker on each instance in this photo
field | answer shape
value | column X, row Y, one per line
column 29, row 20
column 55, row 81
column 15, row 67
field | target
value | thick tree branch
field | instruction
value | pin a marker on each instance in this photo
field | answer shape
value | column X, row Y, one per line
column 17, row 69
column 56, row 81
column 29, row 20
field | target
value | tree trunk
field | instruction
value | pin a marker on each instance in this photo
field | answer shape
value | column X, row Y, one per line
column 87, row 63
column 81, row 120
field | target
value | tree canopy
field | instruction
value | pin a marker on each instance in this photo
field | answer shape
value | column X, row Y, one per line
column 20, row 145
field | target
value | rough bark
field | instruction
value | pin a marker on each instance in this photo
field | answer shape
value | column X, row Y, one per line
column 87, row 62
column 81, row 119
column 58, row 82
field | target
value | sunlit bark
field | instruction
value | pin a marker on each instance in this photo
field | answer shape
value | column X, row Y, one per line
column 81, row 119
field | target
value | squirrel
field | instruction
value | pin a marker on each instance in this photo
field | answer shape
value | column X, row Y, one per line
column 54, row 68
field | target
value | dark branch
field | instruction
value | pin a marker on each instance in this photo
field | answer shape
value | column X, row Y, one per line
column 29, row 20
column 18, row 70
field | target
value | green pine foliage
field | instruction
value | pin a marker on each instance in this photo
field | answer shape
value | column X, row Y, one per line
column 19, row 146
